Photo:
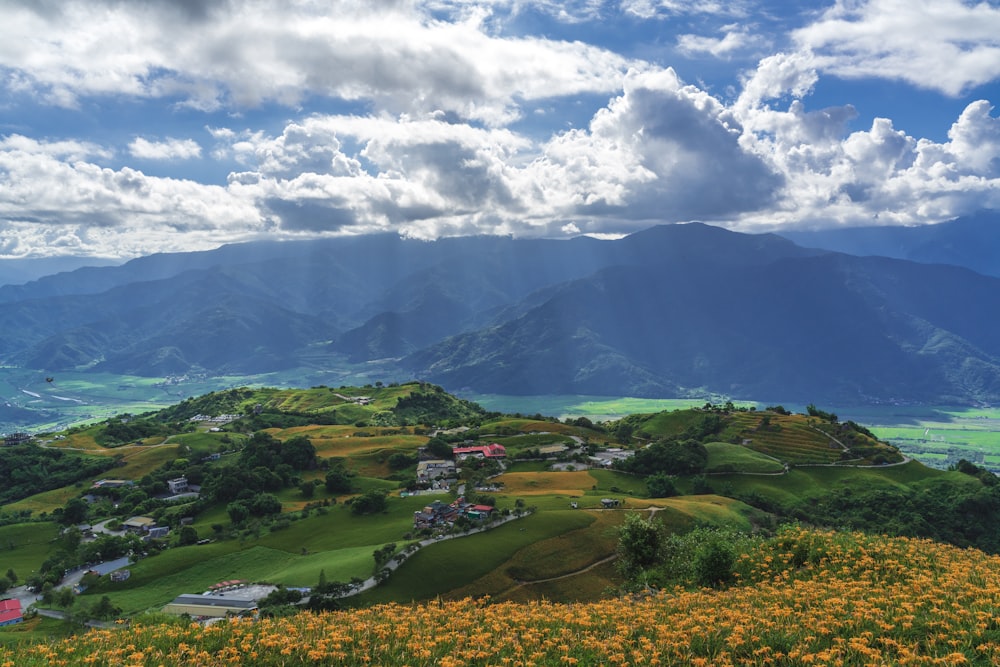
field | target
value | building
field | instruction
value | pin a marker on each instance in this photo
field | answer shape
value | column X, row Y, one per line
column 210, row 606
column 479, row 512
column 178, row 485
column 12, row 439
column 139, row 525
column 491, row 451
column 10, row 612
column 157, row 532
column 435, row 469
column 121, row 575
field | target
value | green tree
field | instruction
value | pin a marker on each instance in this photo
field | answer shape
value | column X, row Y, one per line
column 338, row 480
column 439, row 448
column 188, row 536
column 661, row 485
column 640, row 544
column 372, row 501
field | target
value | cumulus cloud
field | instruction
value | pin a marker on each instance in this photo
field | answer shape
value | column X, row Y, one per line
column 50, row 193
column 848, row 178
column 283, row 52
column 170, row 149
column 945, row 45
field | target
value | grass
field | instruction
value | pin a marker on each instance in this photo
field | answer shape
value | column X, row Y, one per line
column 33, row 631
column 546, row 483
column 726, row 457
column 610, row 479
column 46, row 501
column 24, row 546
column 452, row 564
column 256, row 563
column 594, row 407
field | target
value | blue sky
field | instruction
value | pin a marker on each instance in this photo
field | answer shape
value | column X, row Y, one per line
column 131, row 127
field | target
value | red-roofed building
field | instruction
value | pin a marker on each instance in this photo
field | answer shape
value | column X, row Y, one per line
column 10, row 612
column 491, row 451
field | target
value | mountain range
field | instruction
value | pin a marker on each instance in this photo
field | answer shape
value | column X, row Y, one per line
column 675, row 310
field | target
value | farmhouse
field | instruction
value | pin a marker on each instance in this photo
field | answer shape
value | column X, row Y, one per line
column 10, row 612
column 139, row 525
column 435, row 469
column 210, row 606
column 177, row 485
column 490, row 451
column 12, row 439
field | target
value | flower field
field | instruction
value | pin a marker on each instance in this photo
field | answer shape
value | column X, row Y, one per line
column 805, row 597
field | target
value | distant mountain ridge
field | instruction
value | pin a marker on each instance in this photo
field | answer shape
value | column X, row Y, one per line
column 971, row 241
column 674, row 310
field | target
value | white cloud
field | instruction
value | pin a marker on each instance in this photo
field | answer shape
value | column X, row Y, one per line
column 835, row 177
column 49, row 192
column 651, row 8
column 945, row 45
column 171, row 149
column 735, row 39
column 395, row 55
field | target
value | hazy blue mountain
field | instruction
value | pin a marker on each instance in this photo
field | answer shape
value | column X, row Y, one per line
column 22, row 270
column 970, row 241
column 672, row 310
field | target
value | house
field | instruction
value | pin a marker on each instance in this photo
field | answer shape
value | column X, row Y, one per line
column 12, row 439
column 157, row 532
column 10, row 612
column 138, row 525
column 610, row 502
column 491, row 451
column 177, row 485
column 436, row 514
column 479, row 512
column 121, row 575
column 435, row 469
column 210, row 606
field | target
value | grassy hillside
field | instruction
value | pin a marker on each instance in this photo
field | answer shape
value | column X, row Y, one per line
column 313, row 456
column 803, row 597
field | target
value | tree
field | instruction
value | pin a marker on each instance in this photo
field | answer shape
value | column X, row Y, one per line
column 299, row 453
column 75, row 512
column 372, row 501
column 439, row 448
column 238, row 511
column 188, row 536
column 104, row 609
column 263, row 504
column 661, row 485
column 338, row 480
column 307, row 489
column 640, row 544
column 399, row 460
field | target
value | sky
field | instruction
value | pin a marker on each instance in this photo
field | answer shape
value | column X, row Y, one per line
column 129, row 127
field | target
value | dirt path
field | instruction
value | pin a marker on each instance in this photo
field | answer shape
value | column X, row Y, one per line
column 568, row 574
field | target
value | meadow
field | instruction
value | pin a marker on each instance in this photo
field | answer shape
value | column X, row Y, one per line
column 802, row 597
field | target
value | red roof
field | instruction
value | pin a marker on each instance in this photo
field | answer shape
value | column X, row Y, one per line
column 482, row 508
column 10, row 610
column 492, row 450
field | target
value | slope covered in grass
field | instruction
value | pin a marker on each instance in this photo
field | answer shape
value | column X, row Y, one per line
column 806, row 597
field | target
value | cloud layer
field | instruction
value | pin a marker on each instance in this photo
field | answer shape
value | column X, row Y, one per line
column 437, row 119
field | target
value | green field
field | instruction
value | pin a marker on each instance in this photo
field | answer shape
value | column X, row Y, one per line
column 938, row 436
column 726, row 457
column 23, row 546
